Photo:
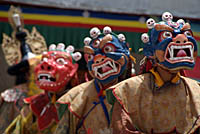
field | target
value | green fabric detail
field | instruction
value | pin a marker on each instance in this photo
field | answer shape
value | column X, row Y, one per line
column 110, row 97
column 111, row 100
column 61, row 109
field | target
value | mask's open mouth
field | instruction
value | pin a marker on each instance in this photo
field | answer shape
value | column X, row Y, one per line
column 44, row 77
column 179, row 52
column 106, row 68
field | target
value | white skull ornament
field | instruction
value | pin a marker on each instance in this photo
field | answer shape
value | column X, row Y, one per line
column 181, row 21
column 70, row 49
column 107, row 30
column 167, row 16
column 94, row 32
column 150, row 23
column 76, row 56
column 87, row 41
column 60, row 46
column 145, row 38
column 121, row 37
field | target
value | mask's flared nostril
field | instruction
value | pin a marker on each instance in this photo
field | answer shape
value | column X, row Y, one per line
column 178, row 42
column 49, row 68
column 42, row 67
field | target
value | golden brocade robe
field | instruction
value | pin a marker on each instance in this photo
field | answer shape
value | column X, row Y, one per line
column 173, row 108
column 82, row 105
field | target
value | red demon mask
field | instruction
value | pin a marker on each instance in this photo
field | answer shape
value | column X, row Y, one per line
column 57, row 67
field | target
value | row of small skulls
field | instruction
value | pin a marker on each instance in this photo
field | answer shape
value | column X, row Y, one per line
column 95, row 32
column 69, row 49
column 166, row 16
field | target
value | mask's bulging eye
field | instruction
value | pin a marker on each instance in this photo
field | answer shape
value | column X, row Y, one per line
column 167, row 35
column 90, row 57
column 164, row 35
column 61, row 61
column 188, row 33
column 96, row 43
column 108, row 48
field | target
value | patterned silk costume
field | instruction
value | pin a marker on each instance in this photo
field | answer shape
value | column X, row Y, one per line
column 20, row 54
column 160, row 101
column 53, row 74
column 84, row 109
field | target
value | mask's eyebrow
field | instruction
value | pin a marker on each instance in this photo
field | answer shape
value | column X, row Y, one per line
column 62, row 55
column 186, row 27
column 105, row 40
column 163, row 27
column 88, row 50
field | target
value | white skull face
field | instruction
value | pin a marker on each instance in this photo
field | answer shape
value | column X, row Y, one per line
column 145, row 38
column 36, row 42
column 52, row 47
column 150, row 23
column 87, row 41
column 94, row 32
column 121, row 37
column 76, row 56
column 70, row 49
column 107, row 30
column 11, row 49
column 181, row 21
column 12, row 54
column 60, row 46
column 38, row 47
column 167, row 16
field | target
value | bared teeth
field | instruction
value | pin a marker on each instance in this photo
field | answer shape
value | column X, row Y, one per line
column 45, row 77
column 107, row 64
column 178, row 52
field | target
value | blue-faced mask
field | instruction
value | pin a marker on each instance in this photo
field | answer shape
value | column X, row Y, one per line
column 106, row 54
column 171, row 43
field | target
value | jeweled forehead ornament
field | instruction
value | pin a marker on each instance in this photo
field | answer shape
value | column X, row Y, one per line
column 106, row 54
column 57, row 67
column 171, row 43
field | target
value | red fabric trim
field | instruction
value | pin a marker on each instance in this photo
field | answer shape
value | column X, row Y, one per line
column 120, row 101
column 37, row 104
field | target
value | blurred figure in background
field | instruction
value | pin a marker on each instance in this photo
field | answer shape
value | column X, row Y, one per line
column 55, row 74
column 22, row 53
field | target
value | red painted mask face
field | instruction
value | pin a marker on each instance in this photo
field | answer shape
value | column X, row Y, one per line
column 55, row 71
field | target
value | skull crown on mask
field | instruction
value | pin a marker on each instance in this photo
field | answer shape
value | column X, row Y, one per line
column 106, row 54
column 57, row 67
column 171, row 43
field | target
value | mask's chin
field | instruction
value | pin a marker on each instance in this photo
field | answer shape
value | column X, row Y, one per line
column 106, row 70
column 176, row 66
column 177, row 56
